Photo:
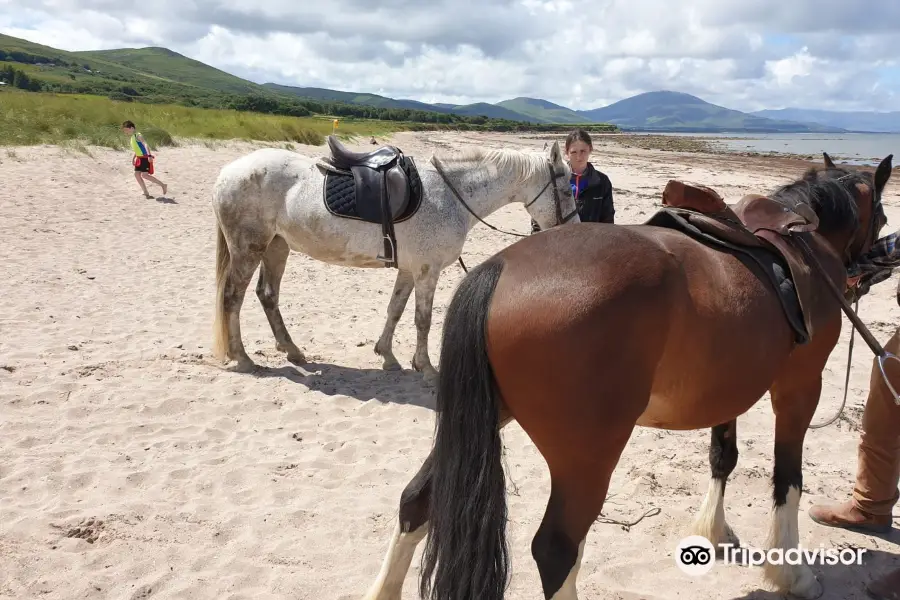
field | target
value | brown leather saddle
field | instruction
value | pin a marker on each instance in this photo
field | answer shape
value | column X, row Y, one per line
column 381, row 186
column 756, row 227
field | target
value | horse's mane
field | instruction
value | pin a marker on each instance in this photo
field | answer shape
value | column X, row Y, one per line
column 522, row 164
column 827, row 195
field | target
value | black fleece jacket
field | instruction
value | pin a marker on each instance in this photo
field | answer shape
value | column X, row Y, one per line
column 594, row 189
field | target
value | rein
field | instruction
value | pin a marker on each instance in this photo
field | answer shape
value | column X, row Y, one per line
column 556, row 201
column 879, row 351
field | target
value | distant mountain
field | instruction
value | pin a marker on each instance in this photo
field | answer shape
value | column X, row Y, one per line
column 881, row 122
column 493, row 111
column 542, row 110
column 483, row 109
column 676, row 111
column 326, row 95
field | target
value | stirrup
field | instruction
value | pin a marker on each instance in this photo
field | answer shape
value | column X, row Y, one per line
column 393, row 254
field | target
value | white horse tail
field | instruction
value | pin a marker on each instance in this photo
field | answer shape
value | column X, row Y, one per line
column 220, row 326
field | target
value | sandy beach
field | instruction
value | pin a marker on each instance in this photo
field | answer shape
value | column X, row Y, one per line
column 133, row 465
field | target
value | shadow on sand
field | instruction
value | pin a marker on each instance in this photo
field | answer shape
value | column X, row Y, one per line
column 396, row 387
column 164, row 200
column 844, row 582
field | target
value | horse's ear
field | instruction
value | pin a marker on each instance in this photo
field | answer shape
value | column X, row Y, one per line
column 555, row 154
column 828, row 162
column 883, row 173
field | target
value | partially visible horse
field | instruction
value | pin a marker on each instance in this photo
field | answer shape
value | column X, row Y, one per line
column 273, row 201
column 582, row 332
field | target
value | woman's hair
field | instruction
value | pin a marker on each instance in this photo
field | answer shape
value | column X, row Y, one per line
column 579, row 135
column 128, row 125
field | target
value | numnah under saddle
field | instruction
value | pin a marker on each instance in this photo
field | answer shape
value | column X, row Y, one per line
column 381, row 186
column 757, row 228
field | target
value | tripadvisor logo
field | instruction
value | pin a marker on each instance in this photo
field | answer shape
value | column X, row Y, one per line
column 696, row 555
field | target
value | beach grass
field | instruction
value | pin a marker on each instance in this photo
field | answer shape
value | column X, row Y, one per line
column 29, row 119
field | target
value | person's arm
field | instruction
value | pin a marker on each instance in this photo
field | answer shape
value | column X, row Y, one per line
column 145, row 144
column 877, row 265
column 607, row 207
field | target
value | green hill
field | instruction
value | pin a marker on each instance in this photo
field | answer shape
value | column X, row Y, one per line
column 492, row 111
column 161, row 76
column 676, row 111
column 171, row 66
column 480, row 109
column 362, row 99
column 542, row 110
column 173, row 78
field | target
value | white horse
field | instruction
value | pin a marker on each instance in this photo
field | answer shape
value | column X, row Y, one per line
column 271, row 202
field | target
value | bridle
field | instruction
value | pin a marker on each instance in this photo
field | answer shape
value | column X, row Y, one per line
column 880, row 353
column 557, row 198
column 557, row 201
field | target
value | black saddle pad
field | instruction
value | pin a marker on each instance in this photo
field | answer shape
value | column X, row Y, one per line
column 341, row 198
column 771, row 263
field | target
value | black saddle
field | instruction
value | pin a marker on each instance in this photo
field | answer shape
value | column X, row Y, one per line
column 381, row 186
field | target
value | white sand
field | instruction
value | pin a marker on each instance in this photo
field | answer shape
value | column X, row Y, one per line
column 134, row 466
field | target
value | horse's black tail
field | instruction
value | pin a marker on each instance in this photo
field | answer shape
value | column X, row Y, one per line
column 466, row 548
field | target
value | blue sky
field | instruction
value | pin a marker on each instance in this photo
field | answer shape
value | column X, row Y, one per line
column 748, row 56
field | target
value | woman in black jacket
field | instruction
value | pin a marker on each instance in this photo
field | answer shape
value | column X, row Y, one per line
column 589, row 185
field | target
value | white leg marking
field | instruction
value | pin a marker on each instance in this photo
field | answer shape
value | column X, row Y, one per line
column 567, row 591
column 389, row 583
column 784, row 533
column 710, row 521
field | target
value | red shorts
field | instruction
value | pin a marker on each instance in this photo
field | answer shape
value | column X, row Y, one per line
column 143, row 164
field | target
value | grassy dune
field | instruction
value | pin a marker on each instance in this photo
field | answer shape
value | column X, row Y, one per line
column 28, row 118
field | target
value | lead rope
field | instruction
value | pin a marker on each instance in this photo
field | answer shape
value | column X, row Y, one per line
column 846, row 376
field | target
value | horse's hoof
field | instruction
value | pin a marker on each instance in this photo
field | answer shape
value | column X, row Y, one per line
column 244, row 366
column 430, row 376
column 807, row 588
column 391, row 364
column 297, row 359
column 731, row 537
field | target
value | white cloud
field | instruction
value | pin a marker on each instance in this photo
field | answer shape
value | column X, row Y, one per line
column 744, row 55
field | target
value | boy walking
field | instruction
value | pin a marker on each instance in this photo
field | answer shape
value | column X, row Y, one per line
column 143, row 166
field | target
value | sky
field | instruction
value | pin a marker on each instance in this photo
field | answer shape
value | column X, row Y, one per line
column 824, row 54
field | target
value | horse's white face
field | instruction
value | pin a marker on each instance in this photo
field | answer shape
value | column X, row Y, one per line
column 556, row 201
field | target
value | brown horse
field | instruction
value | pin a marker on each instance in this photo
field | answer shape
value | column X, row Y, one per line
column 584, row 331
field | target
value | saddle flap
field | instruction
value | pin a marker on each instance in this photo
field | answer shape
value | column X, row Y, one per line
column 397, row 190
column 698, row 198
column 761, row 212
column 802, row 276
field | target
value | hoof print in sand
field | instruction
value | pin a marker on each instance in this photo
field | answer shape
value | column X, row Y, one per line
column 88, row 530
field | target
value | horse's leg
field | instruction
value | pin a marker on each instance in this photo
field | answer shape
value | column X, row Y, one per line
column 237, row 278
column 384, row 347
column 723, row 455
column 794, row 403
column 425, row 282
column 578, row 486
column 267, row 287
column 408, row 532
